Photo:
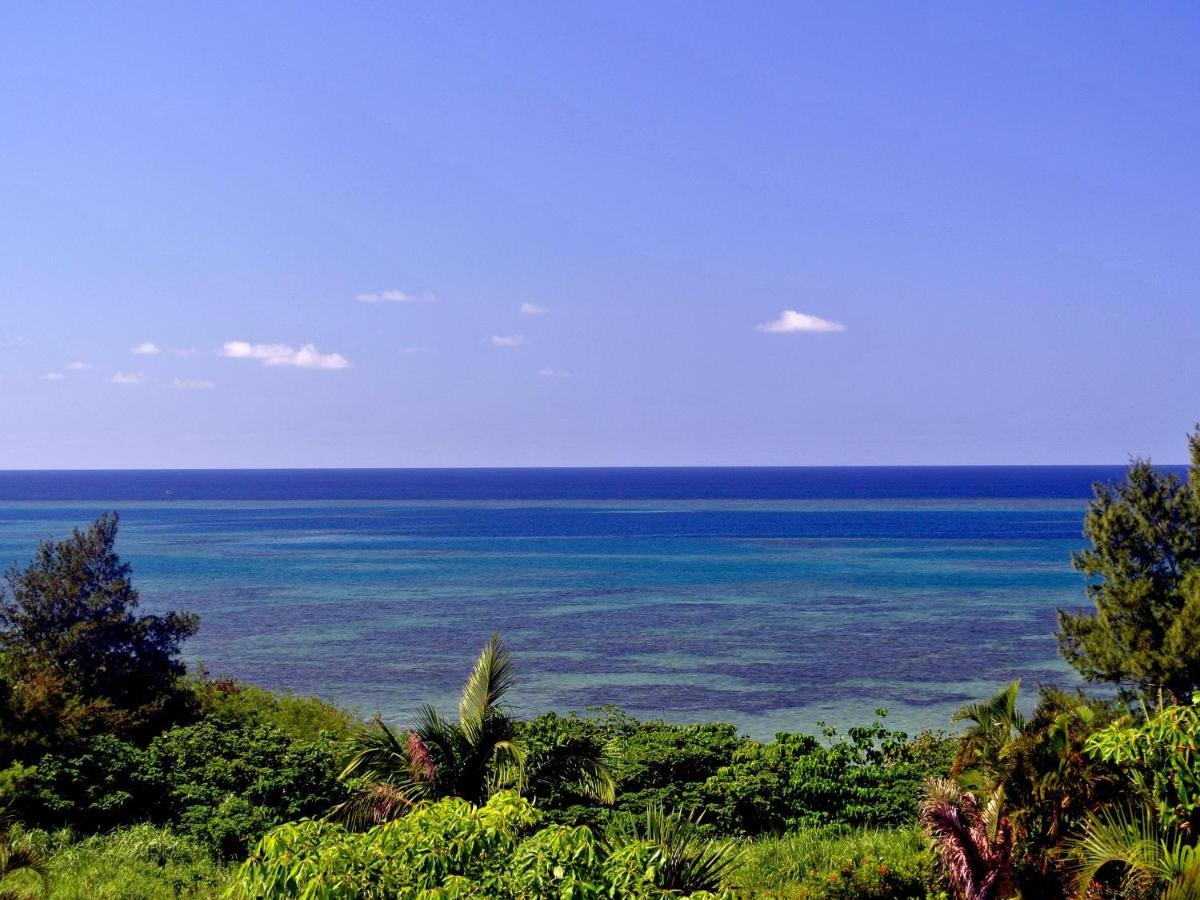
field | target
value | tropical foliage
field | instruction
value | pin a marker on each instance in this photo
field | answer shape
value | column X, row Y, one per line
column 132, row 779
column 452, row 848
column 1143, row 571
column 472, row 758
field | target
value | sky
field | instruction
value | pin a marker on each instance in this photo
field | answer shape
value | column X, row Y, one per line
column 541, row 234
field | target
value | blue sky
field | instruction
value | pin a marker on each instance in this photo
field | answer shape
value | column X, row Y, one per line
column 552, row 234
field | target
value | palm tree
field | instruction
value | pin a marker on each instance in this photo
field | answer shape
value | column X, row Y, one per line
column 975, row 843
column 685, row 859
column 1131, row 848
column 996, row 724
column 471, row 759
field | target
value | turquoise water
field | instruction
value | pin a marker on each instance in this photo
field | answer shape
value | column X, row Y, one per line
column 770, row 613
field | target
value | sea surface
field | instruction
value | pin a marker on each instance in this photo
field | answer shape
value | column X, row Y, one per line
column 771, row 598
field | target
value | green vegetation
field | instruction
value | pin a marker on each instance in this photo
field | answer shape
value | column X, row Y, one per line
column 124, row 776
column 1143, row 572
column 143, row 862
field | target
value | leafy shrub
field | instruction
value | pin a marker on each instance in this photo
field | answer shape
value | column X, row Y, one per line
column 301, row 718
column 99, row 785
column 227, row 785
column 653, row 762
column 840, row 862
column 222, row 785
column 872, row 776
column 1161, row 758
column 450, row 848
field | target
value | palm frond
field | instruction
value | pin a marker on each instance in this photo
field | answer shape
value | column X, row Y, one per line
column 380, row 752
column 373, row 804
column 996, row 720
column 1130, row 841
column 973, row 843
column 493, row 676
column 594, row 778
column 19, row 856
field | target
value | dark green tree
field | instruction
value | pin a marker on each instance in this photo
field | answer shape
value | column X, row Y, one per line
column 71, row 617
column 1143, row 571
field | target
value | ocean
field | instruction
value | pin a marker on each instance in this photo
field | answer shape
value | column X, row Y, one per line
column 771, row 598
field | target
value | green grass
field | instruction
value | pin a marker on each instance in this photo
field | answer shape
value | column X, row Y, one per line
column 840, row 862
column 139, row 863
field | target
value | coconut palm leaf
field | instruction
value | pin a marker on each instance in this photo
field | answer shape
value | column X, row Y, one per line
column 436, row 758
column 493, row 676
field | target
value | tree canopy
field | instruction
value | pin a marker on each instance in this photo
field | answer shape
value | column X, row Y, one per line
column 70, row 628
column 1143, row 570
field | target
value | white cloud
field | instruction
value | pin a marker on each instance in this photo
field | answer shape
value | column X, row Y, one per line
column 54, row 376
column 188, row 384
column 415, row 349
column 532, row 309
column 394, row 296
column 791, row 321
column 507, row 340
column 307, row 357
column 146, row 349
column 79, row 366
column 128, row 378
column 547, row 372
column 184, row 351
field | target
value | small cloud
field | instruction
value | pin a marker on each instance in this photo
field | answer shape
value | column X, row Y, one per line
column 187, row 384
column 19, row 340
column 532, row 309
column 509, row 340
column 184, row 351
column 53, row 376
column 417, row 350
column 547, row 372
column 394, row 296
column 128, row 378
column 79, row 366
column 307, row 357
column 146, row 349
column 790, row 321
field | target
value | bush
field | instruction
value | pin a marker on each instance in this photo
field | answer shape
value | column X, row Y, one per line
column 301, row 718
column 839, row 862
column 449, row 849
column 222, row 785
column 872, row 776
column 227, row 785
column 100, row 785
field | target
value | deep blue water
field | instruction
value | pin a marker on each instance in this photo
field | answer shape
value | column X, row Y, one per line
column 769, row 597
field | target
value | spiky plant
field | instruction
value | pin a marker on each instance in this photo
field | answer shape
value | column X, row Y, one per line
column 436, row 758
column 974, row 843
column 1128, row 847
column 686, row 860
column 20, row 863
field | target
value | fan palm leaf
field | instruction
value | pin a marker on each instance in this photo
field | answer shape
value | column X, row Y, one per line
column 1149, row 863
column 19, row 857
